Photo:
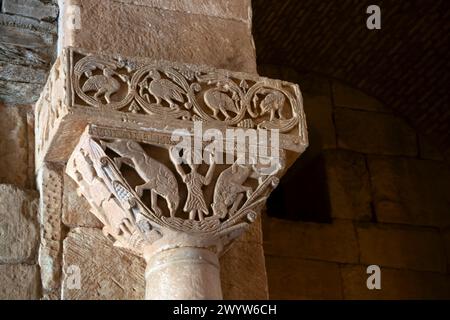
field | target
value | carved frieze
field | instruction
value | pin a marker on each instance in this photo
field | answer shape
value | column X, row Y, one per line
column 139, row 93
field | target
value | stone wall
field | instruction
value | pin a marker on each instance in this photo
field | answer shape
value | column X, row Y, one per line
column 27, row 49
column 48, row 235
column 387, row 192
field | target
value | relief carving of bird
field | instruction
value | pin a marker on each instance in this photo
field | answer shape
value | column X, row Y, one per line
column 217, row 101
column 272, row 103
column 163, row 89
column 102, row 84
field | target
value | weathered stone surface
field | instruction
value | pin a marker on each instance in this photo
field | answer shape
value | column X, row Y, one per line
column 76, row 211
column 408, row 248
column 18, row 226
column 291, row 278
column 243, row 272
column 27, row 47
column 331, row 242
column 19, row 282
column 39, row 27
column 13, row 146
column 31, row 148
column 226, row 9
column 13, row 72
column 395, row 284
column 349, row 185
column 50, row 203
column 345, row 96
column 411, row 191
column 31, row 8
column 160, row 34
column 377, row 133
column 19, row 92
column 106, row 272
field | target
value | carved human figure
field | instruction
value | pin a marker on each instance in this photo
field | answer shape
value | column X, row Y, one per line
column 158, row 178
column 161, row 89
column 195, row 202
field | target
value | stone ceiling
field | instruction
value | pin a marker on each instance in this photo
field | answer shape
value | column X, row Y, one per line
column 405, row 64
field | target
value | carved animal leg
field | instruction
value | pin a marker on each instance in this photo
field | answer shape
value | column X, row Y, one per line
column 154, row 202
column 235, row 204
column 192, row 214
column 172, row 105
column 158, row 100
column 215, row 112
column 272, row 114
column 225, row 113
column 280, row 115
column 108, row 97
column 98, row 93
column 200, row 215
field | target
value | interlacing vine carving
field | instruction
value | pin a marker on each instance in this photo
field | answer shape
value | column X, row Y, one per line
column 185, row 92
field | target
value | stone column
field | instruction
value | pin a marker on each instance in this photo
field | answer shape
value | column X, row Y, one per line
column 103, row 115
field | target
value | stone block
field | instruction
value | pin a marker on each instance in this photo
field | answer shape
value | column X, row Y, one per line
column 76, row 209
column 331, row 242
column 19, row 282
column 395, row 284
column 319, row 117
column 419, row 249
column 18, row 225
column 19, row 92
column 171, row 35
column 31, row 8
column 377, row 133
column 13, row 146
column 293, row 279
column 13, row 72
column 50, row 249
column 105, row 272
column 345, row 96
column 410, row 191
column 225, row 9
column 348, row 184
column 243, row 273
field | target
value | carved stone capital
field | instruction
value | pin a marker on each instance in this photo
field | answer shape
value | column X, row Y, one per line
column 113, row 120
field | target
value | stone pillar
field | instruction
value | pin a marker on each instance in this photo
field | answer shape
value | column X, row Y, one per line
column 99, row 104
column 183, row 274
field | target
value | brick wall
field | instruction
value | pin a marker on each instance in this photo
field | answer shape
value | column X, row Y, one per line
column 388, row 194
column 27, row 47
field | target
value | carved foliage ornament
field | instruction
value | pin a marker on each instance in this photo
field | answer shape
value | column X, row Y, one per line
column 185, row 92
column 137, row 214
